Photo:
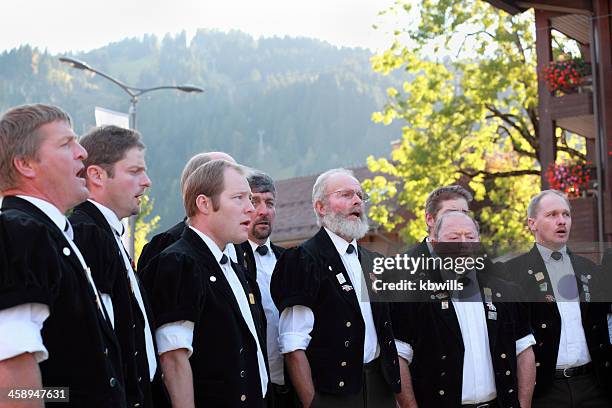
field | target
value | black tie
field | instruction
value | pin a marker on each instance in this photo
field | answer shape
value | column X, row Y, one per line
column 556, row 255
column 262, row 250
column 350, row 249
column 223, row 260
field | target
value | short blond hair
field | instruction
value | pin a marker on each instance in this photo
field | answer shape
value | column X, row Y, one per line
column 20, row 137
column 209, row 180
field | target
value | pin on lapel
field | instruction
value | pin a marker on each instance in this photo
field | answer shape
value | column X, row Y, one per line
column 213, row 278
column 340, row 278
column 492, row 315
column 530, row 272
column 251, row 299
column 347, row 288
column 539, row 276
column 444, row 304
column 66, row 251
column 543, row 286
column 491, row 306
column 587, row 297
column 550, row 298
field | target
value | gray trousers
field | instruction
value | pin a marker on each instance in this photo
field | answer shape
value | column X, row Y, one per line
column 375, row 392
column 577, row 392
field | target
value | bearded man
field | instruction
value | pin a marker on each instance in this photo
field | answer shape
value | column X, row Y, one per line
column 338, row 347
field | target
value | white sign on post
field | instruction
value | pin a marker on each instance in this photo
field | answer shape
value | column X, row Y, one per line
column 110, row 117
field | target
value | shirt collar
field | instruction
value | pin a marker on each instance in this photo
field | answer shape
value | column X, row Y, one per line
column 216, row 251
column 255, row 245
column 547, row 252
column 110, row 217
column 340, row 243
column 49, row 209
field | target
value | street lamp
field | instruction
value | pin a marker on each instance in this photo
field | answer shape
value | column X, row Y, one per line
column 134, row 93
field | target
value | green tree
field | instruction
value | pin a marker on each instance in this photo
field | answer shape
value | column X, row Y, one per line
column 471, row 118
column 144, row 225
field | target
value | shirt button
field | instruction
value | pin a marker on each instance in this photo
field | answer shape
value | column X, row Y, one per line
column 113, row 382
column 343, row 364
column 348, row 324
column 508, row 372
column 242, row 374
column 341, row 384
column 139, row 379
column 441, row 392
column 135, row 353
column 503, row 355
column 543, row 325
column 442, row 374
column 443, row 357
column 347, row 343
column 106, row 351
column 510, row 391
column 243, row 398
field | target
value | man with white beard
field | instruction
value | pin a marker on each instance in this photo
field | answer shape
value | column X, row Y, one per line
column 338, row 347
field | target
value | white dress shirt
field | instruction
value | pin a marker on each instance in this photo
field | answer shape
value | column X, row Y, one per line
column 573, row 349
column 296, row 322
column 118, row 229
column 265, row 266
column 25, row 321
column 175, row 335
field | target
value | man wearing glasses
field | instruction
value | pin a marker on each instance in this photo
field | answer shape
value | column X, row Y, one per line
column 338, row 347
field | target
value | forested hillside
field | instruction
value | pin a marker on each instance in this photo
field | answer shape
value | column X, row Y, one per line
column 284, row 105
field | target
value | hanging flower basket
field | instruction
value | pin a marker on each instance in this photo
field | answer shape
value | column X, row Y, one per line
column 566, row 75
column 571, row 178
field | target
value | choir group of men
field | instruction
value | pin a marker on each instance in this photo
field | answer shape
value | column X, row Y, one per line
column 216, row 315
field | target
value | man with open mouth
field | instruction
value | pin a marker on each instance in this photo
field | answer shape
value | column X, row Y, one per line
column 572, row 349
column 115, row 171
column 338, row 346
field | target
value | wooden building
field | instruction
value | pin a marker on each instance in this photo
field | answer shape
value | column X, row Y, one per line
column 589, row 113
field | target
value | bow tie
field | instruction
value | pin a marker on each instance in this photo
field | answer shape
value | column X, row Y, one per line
column 556, row 255
column 223, row 260
column 262, row 250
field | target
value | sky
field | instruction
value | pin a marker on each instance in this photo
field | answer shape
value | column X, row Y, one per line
column 81, row 25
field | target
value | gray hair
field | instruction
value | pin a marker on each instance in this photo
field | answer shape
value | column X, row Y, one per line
column 320, row 186
column 440, row 222
column 533, row 207
column 260, row 182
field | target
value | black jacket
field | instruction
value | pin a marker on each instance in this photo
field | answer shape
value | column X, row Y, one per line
column 432, row 329
column 185, row 282
column 160, row 242
column 84, row 353
column 306, row 276
column 129, row 320
column 246, row 258
column 546, row 320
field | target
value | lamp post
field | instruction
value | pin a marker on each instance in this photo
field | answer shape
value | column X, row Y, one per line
column 134, row 94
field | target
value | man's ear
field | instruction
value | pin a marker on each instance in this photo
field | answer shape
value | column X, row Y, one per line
column 430, row 221
column 531, row 224
column 204, row 204
column 320, row 207
column 95, row 175
column 24, row 167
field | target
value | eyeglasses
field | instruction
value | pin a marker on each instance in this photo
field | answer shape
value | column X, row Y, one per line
column 348, row 194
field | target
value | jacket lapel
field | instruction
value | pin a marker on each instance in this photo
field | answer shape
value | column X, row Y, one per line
column 216, row 278
column 335, row 269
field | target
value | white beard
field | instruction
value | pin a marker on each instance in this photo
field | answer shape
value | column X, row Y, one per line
column 351, row 229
